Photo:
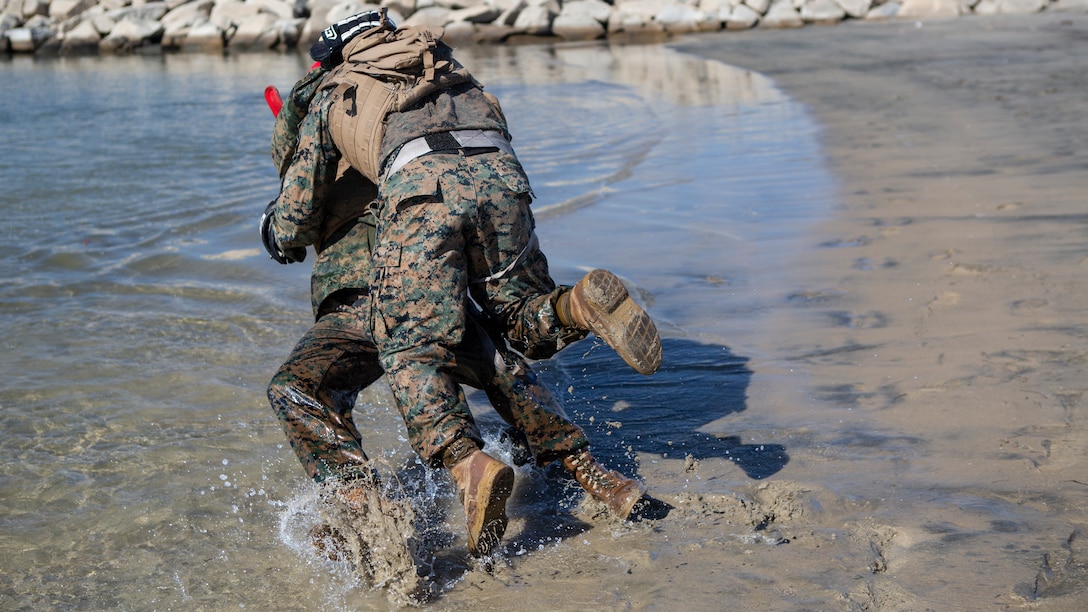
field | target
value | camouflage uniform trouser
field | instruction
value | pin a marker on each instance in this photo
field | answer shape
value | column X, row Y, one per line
column 314, row 392
column 448, row 224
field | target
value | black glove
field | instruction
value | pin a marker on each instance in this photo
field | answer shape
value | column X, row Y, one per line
column 268, row 239
column 327, row 49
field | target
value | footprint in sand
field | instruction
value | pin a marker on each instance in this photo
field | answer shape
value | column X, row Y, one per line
column 1029, row 306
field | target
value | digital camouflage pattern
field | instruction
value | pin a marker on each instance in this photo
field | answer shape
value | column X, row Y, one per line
column 446, row 221
column 290, row 115
column 307, row 179
column 346, row 205
column 314, row 392
column 348, row 229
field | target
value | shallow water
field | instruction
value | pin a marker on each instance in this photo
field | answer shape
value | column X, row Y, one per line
column 142, row 321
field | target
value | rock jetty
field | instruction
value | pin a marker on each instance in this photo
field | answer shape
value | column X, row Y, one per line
column 82, row 27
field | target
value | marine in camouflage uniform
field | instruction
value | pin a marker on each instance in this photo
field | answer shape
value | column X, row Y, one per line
column 452, row 220
column 314, row 391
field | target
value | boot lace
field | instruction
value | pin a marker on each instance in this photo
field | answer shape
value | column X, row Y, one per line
column 590, row 474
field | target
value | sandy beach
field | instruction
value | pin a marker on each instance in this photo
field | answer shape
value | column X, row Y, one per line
column 866, row 255
column 940, row 313
column 911, row 430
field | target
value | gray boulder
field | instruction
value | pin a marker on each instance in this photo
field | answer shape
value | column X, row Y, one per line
column 510, row 9
column 152, row 11
column 929, row 9
column 177, row 23
column 32, row 36
column 255, row 33
column 83, row 39
column 781, row 14
column 63, row 9
column 130, row 34
column 635, row 16
column 681, row 18
column 29, row 8
column 888, row 10
column 431, row 17
column 188, row 14
column 855, row 8
column 481, row 13
column 460, row 32
column 280, row 8
column 456, row 5
column 582, row 20
column 822, row 12
column 23, row 40
column 1070, row 6
column 206, row 37
column 9, row 21
column 742, row 17
column 401, row 7
column 759, row 6
column 228, row 14
column 536, row 18
column 290, row 30
column 1020, row 7
column 104, row 25
column 345, row 9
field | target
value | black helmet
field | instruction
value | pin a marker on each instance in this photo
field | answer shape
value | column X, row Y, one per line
column 327, row 49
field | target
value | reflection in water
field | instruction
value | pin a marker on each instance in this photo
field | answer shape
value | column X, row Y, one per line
column 142, row 322
column 682, row 80
column 606, row 90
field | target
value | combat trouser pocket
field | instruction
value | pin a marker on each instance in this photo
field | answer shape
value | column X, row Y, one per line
column 386, row 288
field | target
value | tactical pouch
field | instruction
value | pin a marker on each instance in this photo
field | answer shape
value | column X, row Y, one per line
column 384, row 71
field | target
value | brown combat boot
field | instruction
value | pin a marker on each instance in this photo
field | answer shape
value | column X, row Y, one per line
column 328, row 542
column 484, row 484
column 356, row 496
column 599, row 303
column 615, row 490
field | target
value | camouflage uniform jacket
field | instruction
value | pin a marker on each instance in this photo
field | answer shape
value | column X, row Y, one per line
column 320, row 205
column 309, row 168
column 308, row 178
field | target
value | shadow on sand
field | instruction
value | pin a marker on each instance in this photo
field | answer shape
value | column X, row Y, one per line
column 626, row 413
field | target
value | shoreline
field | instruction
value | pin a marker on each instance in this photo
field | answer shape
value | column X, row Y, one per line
column 939, row 309
column 888, row 413
column 49, row 28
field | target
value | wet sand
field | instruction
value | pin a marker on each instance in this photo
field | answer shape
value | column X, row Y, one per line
column 895, row 422
column 940, row 316
column 920, row 375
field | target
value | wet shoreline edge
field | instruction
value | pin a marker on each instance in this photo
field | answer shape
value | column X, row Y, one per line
column 49, row 28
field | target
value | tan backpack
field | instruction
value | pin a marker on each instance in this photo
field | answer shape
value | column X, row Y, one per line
column 384, row 70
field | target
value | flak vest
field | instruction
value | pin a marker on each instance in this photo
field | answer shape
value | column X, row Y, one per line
column 398, row 85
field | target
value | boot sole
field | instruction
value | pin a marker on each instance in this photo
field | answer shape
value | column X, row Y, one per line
column 490, row 524
column 620, row 322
